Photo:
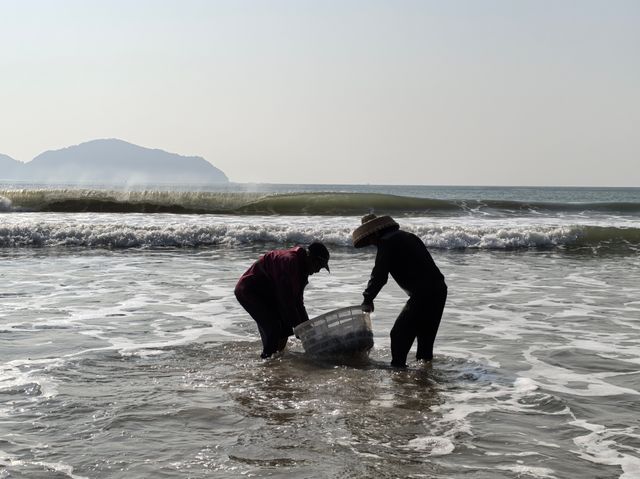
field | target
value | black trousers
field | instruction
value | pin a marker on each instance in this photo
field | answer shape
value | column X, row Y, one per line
column 258, row 298
column 420, row 318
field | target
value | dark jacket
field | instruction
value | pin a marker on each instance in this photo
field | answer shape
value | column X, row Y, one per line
column 406, row 258
column 285, row 274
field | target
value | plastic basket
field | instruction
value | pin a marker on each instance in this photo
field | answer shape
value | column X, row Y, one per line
column 344, row 331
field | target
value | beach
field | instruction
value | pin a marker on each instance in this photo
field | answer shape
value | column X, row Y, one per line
column 125, row 354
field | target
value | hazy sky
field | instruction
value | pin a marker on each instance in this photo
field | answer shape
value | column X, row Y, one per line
column 513, row 92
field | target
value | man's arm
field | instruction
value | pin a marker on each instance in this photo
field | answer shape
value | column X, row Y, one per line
column 302, row 311
column 379, row 277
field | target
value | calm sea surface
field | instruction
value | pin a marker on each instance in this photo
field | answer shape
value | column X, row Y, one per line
column 124, row 354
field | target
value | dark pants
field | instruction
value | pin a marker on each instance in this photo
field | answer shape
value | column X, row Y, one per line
column 420, row 318
column 258, row 298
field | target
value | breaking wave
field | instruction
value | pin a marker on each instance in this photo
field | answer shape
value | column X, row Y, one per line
column 177, row 234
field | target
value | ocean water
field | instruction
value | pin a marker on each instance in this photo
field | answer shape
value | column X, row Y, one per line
column 123, row 352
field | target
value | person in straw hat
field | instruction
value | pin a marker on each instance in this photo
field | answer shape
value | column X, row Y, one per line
column 406, row 258
column 271, row 291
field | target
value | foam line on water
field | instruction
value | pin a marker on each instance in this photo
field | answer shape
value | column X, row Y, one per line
column 7, row 460
column 520, row 396
column 617, row 351
column 18, row 374
column 598, row 447
column 595, row 383
column 469, row 355
column 529, row 471
column 519, row 470
column 127, row 346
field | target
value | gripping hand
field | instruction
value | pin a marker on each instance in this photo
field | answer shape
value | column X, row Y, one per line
column 367, row 306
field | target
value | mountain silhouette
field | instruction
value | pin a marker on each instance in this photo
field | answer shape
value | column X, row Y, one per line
column 113, row 161
column 10, row 169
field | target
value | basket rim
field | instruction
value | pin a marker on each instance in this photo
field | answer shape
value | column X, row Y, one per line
column 311, row 321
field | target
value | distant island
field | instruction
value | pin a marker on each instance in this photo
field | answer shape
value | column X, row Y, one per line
column 111, row 162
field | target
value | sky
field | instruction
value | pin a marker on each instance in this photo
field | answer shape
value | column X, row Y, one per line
column 450, row 92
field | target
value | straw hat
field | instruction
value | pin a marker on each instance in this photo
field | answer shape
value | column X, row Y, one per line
column 371, row 224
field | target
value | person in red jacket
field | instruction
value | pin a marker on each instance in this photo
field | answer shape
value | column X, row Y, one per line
column 271, row 291
column 405, row 257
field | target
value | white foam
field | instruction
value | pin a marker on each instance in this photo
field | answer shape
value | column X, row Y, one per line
column 366, row 454
column 556, row 378
column 586, row 280
column 470, row 355
column 127, row 346
column 513, row 454
column 139, row 230
column 598, row 447
column 521, row 469
column 524, row 385
column 7, row 460
column 434, row 446
column 459, row 406
column 27, row 372
column 497, row 237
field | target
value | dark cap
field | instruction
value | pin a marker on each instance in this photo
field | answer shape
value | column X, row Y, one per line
column 320, row 251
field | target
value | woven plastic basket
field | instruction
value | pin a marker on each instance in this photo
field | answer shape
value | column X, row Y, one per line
column 344, row 331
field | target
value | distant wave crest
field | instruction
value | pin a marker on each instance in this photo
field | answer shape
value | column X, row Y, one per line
column 75, row 201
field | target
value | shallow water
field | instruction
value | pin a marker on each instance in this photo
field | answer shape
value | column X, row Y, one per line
column 139, row 363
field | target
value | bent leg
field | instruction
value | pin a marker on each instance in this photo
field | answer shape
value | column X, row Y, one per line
column 403, row 333
column 258, row 303
column 433, row 309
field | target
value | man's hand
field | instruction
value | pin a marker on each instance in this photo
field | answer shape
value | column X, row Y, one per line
column 367, row 306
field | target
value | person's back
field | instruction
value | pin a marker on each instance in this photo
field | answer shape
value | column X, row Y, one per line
column 409, row 262
column 283, row 264
column 287, row 264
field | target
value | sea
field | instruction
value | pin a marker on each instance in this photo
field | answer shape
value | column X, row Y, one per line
column 124, row 353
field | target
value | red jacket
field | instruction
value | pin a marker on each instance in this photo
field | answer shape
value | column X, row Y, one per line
column 286, row 271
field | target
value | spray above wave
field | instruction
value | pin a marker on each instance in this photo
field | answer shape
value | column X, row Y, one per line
column 5, row 204
column 118, row 235
column 144, row 201
column 317, row 204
